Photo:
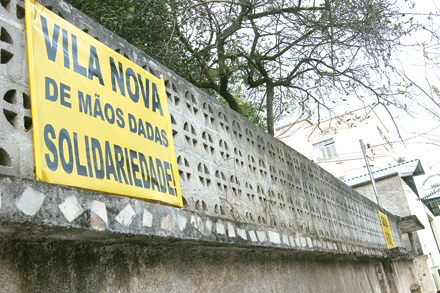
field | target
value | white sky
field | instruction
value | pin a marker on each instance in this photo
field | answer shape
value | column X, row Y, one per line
column 413, row 63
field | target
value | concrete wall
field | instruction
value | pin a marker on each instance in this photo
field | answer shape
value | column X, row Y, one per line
column 392, row 195
column 426, row 279
column 397, row 197
column 65, row 266
column 391, row 192
column 60, row 239
column 228, row 167
column 258, row 215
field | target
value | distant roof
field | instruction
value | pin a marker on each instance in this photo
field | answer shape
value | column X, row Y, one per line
column 286, row 130
column 368, row 109
column 409, row 168
column 432, row 204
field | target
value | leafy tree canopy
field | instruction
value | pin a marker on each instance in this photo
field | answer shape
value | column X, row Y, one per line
column 271, row 58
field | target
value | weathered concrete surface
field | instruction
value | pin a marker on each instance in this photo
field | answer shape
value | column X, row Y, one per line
column 134, row 266
column 258, row 217
column 61, row 239
column 424, row 273
column 403, row 202
column 394, row 199
column 37, row 210
column 391, row 190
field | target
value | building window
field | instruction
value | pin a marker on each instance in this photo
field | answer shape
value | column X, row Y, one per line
column 325, row 149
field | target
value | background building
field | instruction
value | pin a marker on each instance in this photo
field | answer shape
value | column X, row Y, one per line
column 334, row 143
column 404, row 189
column 399, row 194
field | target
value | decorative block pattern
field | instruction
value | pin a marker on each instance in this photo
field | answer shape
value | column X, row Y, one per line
column 100, row 210
column 30, row 201
column 228, row 167
column 165, row 223
column 125, row 217
column 71, row 209
column 147, row 219
column 181, row 222
column 143, row 221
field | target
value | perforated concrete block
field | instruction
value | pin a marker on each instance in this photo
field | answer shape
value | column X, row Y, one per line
column 13, row 61
column 9, row 157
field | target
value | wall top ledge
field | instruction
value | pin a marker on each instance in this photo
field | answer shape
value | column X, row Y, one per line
column 33, row 210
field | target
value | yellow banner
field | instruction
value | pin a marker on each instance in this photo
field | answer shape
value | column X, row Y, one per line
column 100, row 122
column 386, row 230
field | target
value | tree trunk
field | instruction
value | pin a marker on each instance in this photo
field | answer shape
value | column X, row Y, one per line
column 270, row 89
column 224, row 79
column 232, row 102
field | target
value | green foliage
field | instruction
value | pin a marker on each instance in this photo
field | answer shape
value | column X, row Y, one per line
column 401, row 160
column 266, row 59
column 254, row 112
column 436, row 91
column 145, row 24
